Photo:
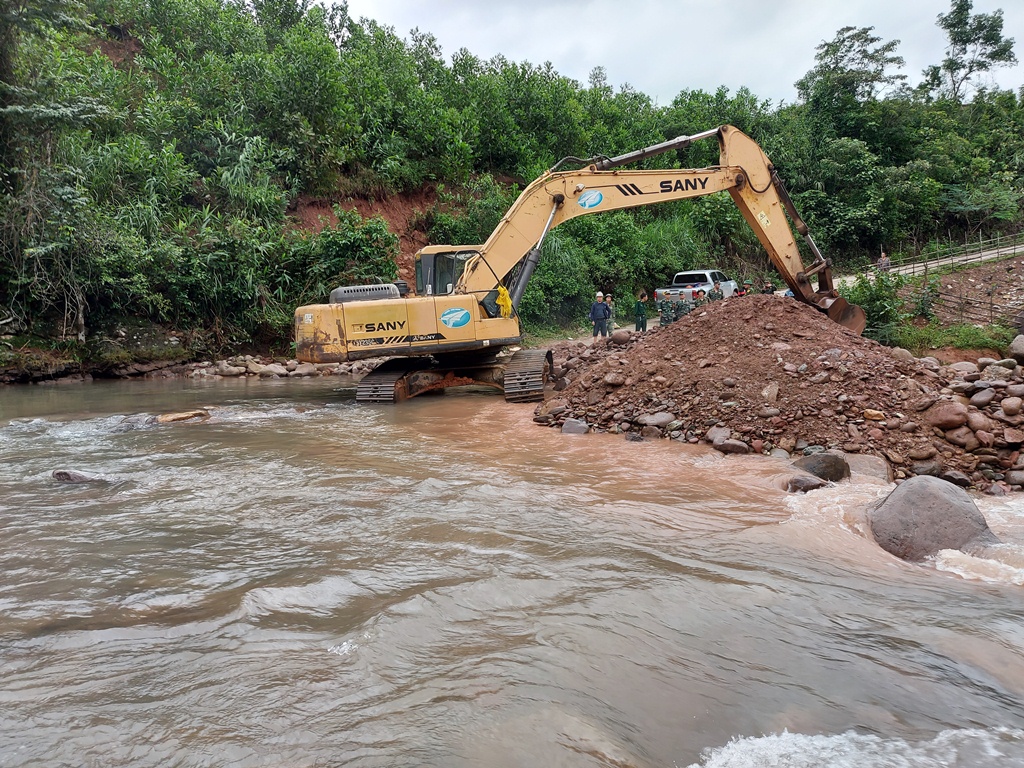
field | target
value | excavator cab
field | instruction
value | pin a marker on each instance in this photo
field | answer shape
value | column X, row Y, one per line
column 438, row 272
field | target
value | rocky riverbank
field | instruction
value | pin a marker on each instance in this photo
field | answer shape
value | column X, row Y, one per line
column 766, row 374
column 258, row 366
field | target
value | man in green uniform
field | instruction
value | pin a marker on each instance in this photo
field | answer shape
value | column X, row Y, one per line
column 715, row 294
column 640, row 312
column 665, row 312
column 681, row 308
column 700, row 298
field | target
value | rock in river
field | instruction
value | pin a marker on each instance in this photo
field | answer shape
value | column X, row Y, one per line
column 924, row 515
column 71, row 476
column 827, row 466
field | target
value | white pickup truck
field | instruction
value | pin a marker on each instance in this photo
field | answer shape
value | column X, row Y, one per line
column 693, row 280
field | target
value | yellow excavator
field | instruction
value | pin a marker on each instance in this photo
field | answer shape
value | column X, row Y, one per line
column 457, row 327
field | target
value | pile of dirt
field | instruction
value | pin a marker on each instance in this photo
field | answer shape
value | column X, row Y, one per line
column 762, row 373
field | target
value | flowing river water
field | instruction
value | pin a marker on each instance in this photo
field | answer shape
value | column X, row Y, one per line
column 303, row 581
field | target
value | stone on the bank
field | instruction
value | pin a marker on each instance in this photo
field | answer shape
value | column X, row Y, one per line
column 997, row 372
column 615, row 378
column 827, row 466
column 621, row 336
column 717, row 434
column 956, row 477
column 1013, row 436
column 901, row 354
column 1015, row 477
column 731, row 446
column 964, row 366
column 771, row 392
column 946, row 414
column 922, row 452
column 963, row 437
column 1016, row 350
column 1011, row 405
column 977, row 420
column 983, row 397
column 575, row 427
column 931, row 468
column 925, row 515
column 274, row 369
column 303, row 369
column 650, row 433
column 660, row 420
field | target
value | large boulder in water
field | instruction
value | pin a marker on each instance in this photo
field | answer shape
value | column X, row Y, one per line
column 71, row 476
column 827, row 466
column 924, row 515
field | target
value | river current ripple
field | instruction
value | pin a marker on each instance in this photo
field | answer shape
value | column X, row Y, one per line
column 303, row 581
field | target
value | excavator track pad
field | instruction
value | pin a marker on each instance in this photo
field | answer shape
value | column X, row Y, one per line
column 525, row 375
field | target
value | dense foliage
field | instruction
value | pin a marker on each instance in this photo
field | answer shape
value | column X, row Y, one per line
column 150, row 151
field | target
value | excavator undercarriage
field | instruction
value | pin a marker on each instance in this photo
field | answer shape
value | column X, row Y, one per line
column 521, row 376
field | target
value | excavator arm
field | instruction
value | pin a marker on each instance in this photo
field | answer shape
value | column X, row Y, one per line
column 744, row 171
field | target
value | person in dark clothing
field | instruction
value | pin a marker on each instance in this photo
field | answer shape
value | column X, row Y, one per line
column 599, row 313
column 769, row 287
column 640, row 312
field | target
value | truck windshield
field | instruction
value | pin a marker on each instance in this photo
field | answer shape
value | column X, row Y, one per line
column 688, row 278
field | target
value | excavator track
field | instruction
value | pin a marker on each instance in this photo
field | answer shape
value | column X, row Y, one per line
column 381, row 385
column 525, row 374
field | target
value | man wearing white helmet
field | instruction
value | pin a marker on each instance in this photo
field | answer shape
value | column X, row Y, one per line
column 599, row 313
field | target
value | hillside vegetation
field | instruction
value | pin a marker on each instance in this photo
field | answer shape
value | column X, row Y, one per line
column 152, row 150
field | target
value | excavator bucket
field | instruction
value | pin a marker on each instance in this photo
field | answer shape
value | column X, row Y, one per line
column 847, row 315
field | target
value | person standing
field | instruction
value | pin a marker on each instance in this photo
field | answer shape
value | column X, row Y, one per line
column 883, row 264
column 611, row 313
column 599, row 315
column 640, row 312
column 665, row 311
column 715, row 294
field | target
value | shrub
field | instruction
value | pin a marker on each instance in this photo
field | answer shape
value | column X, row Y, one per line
column 879, row 297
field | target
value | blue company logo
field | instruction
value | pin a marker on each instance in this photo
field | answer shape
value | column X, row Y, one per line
column 456, row 317
column 590, row 199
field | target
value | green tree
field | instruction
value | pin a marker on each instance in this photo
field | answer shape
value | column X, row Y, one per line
column 852, row 68
column 976, row 45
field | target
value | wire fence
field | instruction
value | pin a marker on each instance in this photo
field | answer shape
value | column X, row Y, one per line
column 962, row 307
column 959, row 254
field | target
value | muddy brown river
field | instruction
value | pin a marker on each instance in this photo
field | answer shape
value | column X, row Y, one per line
column 303, row 581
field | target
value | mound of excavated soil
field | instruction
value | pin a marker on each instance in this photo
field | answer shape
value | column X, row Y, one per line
column 760, row 372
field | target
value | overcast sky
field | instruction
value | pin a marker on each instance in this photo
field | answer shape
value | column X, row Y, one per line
column 661, row 47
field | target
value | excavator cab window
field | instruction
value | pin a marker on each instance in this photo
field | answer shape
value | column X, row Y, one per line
column 439, row 272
